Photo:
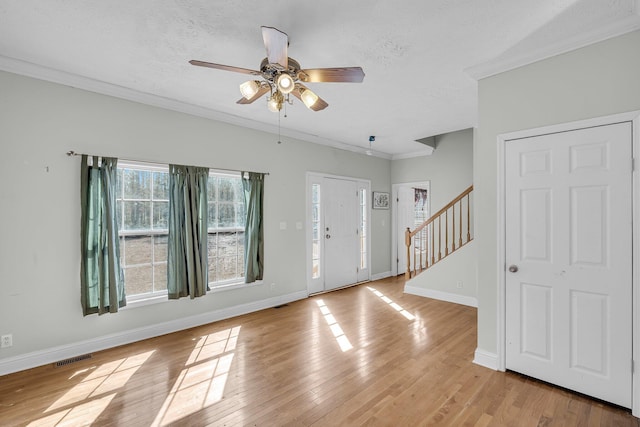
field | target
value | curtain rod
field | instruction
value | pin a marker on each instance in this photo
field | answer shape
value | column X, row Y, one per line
column 72, row 153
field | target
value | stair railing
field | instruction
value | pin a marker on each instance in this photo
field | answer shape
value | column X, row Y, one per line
column 426, row 241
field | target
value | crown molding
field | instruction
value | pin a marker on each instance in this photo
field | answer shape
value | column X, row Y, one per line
column 503, row 63
column 52, row 75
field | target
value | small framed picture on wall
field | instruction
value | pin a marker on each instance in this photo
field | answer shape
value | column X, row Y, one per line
column 380, row 200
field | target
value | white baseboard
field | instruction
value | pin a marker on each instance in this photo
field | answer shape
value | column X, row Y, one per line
column 379, row 276
column 54, row 354
column 442, row 296
column 486, row 359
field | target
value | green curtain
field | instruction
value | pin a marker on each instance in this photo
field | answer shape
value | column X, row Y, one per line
column 187, row 262
column 253, row 186
column 101, row 276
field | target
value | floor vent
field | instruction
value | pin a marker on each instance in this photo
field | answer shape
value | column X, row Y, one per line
column 281, row 305
column 72, row 360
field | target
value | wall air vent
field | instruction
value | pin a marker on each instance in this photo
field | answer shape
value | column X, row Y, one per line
column 71, row 360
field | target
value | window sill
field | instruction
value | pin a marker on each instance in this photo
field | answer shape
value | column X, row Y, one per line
column 153, row 299
column 156, row 299
column 234, row 285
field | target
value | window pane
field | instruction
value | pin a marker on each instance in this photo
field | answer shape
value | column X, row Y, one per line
column 212, row 244
column 160, row 277
column 240, row 267
column 137, row 250
column 119, row 213
column 212, row 185
column 240, row 240
column 160, row 248
column 213, row 268
column 213, row 215
column 119, row 184
column 137, row 184
column 227, row 189
column 227, row 268
column 227, row 244
column 227, row 215
column 137, row 215
column 160, row 215
column 241, row 217
column 316, row 269
column 239, row 192
column 138, row 279
column 161, row 185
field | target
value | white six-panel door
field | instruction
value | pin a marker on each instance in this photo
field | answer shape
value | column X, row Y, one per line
column 568, row 228
column 340, row 233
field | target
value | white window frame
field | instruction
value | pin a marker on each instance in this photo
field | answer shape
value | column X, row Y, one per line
column 157, row 295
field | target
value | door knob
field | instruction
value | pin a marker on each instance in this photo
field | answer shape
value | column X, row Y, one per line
column 513, row 268
column 328, row 236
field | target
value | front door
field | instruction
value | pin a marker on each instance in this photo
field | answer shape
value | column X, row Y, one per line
column 340, row 232
column 568, row 227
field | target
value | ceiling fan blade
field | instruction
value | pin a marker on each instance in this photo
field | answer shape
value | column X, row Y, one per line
column 320, row 103
column 336, row 75
column 224, row 67
column 259, row 93
column 276, row 43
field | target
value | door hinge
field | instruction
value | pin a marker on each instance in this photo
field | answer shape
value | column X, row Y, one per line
column 633, row 164
column 633, row 366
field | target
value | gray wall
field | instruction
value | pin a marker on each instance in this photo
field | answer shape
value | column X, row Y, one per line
column 598, row 80
column 449, row 168
column 40, row 213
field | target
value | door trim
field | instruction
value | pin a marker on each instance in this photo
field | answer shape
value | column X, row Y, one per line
column 394, row 217
column 502, row 140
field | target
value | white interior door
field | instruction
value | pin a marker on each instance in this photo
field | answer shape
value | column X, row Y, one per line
column 568, row 219
column 341, row 251
column 406, row 219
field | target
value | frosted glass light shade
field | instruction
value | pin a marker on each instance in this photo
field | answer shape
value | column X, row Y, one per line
column 249, row 88
column 285, row 83
column 309, row 98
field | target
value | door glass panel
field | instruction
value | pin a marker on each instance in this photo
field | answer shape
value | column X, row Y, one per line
column 315, row 224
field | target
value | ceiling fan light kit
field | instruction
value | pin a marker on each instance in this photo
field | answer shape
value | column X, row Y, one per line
column 282, row 75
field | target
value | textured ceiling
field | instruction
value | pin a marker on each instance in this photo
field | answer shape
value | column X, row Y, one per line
column 418, row 56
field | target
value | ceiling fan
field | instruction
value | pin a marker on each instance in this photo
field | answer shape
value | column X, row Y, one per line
column 282, row 76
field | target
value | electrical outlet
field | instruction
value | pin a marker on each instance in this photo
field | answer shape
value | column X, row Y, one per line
column 459, row 284
column 6, row 341
column 273, row 286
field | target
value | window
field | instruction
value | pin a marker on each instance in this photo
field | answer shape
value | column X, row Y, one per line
column 143, row 216
column 226, row 229
column 362, row 231
column 142, row 202
column 315, row 236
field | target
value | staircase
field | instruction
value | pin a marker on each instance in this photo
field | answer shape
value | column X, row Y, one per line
column 442, row 234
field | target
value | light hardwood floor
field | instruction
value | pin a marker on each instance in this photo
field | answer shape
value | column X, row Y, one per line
column 367, row 355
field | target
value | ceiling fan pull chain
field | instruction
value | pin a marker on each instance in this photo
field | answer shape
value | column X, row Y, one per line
column 279, row 134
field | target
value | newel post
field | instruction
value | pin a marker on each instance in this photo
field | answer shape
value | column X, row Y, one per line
column 407, row 242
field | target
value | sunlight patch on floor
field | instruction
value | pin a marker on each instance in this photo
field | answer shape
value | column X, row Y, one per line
column 337, row 331
column 393, row 304
column 202, row 382
column 86, row 400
